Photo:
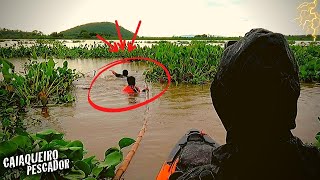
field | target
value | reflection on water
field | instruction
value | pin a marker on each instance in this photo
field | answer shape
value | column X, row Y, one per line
column 169, row 117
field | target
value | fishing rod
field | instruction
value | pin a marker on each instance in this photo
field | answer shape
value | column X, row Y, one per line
column 124, row 165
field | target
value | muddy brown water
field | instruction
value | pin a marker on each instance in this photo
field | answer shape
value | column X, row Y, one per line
column 181, row 108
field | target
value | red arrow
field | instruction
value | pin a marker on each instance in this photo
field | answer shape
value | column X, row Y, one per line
column 122, row 43
column 131, row 47
column 113, row 48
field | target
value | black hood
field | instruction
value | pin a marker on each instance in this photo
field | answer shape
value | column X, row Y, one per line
column 256, row 88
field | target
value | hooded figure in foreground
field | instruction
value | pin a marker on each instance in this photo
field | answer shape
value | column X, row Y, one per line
column 255, row 93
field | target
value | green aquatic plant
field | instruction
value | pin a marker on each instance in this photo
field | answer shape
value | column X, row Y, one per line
column 308, row 58
column 14, row 140
column 43, row 82
column 79, row 167
column 11, row 105
column 11, row 112
column 193, row 63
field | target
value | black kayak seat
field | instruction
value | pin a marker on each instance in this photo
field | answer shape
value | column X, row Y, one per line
column 191, row 135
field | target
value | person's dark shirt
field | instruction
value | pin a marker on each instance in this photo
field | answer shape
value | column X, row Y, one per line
column 290, row 160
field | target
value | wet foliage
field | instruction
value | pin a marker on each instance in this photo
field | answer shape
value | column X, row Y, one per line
column 79, row 167
column 42, row 82
column 308, row 58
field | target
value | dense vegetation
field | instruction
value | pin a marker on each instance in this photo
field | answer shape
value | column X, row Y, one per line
column 194, row 63
column 18, row 34
column 108, row 30
column 308, row 58
column 41, row 83
column 18, row 92
column 79, row 168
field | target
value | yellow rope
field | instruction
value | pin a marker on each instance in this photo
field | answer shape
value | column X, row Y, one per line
column 124, row 165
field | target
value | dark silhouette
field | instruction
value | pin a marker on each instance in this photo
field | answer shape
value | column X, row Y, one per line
column 255, row 93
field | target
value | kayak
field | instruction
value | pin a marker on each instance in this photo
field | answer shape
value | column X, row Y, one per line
column 193, row 149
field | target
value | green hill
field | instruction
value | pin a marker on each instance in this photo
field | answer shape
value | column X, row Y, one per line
column 106, row 29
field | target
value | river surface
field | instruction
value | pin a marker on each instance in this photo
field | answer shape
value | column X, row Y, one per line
column 181, row 108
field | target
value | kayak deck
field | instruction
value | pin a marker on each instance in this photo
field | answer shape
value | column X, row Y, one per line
column 194, row 148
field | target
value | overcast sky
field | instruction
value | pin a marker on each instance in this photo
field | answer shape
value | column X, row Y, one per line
column 159, row 17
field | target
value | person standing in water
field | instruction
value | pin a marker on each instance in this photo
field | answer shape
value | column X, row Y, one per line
column 124, row 73
column 131, row 88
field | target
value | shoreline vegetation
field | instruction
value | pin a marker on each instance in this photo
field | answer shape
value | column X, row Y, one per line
column 89, row 33
column 193, row 63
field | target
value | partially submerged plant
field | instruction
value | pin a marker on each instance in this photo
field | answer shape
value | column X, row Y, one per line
column 43, row 82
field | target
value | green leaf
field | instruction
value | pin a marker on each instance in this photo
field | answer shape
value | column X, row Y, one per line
column 112, row 159
column 76, row 143
column 83, row 166
column 111, row 172
column 23, row 142
column 96, row 171
column 49, row 135
column 21, row 132
column 58, row 143
column 62, row 156
column 91, row 161
column 9, row 110
column 65, row 64
column 51, row 63
column 8, row 148
column 124, row 142
column 75, row 174
column 73, row 153
column 110, row 150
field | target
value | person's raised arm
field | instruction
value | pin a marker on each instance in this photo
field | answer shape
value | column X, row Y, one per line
column 115, row 73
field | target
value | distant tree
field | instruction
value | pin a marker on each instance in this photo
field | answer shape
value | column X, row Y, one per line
column 36, row 33
column 60, row 35
column 202, row 36
column 92, row 34
column 84, row 34
column 54, row 34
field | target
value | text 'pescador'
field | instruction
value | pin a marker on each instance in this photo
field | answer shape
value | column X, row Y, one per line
column 39, row 162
